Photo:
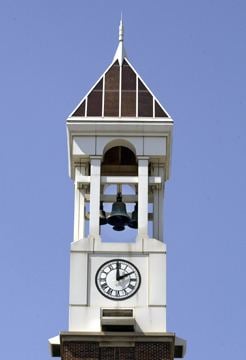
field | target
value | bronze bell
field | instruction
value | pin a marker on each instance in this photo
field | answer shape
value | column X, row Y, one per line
column 118, row 217
column 134, row 219
column 102, row 215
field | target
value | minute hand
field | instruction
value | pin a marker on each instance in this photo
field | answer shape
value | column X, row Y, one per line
column 125, row 275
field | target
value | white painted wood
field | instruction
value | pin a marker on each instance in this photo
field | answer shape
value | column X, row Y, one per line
column 155, row 213
column 120, row 84
column 81, row 220
column 139, row 299
column 157, row 279
column 95, row 183
column 158, row 206
column 119, row 179
column 161, row 204
column 137, row 97
column 134, row 143
column 143, row 166
column 83, row 179
column 79, row 206
column 151, row 245
column 84, row 145
column 156, row 218
column 87, row 319
column 151, row 319
column 103, row 95
column 86, row 104
column 78, row 278
column 154, row 146
column 126, row 198
column 152, row 180
column 76, row 212
column 83, row 318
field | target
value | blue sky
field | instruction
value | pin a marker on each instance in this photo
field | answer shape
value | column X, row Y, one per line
column 192, row 54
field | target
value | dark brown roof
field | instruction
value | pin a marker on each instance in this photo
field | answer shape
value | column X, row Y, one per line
column 120, row 92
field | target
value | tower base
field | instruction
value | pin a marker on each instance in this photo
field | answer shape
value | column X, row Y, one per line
column 117, row 346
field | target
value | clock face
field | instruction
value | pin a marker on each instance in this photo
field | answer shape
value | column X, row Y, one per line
column 118, row 279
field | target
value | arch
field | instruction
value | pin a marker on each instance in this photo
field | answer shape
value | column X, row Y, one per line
column 119, row 142
column 119, row 159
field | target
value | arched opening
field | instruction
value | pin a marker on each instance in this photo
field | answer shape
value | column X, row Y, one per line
column 119, row 160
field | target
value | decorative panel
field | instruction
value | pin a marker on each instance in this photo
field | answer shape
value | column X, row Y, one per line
column 141, row 351
column 94, row 105
column 80, row 351
column 81, row 110
column 128, row 103
column 153, row 351
column 159, row 112
column 145, row 101
column 128, row 77
column 112, row 77
column 128, row 97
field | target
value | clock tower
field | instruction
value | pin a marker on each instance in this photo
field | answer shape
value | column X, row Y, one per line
column 119, row 147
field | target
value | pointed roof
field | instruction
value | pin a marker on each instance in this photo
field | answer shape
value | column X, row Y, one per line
column 120, row 92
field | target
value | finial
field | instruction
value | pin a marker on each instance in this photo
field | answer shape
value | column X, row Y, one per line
column 120, row 52
column 121, row 29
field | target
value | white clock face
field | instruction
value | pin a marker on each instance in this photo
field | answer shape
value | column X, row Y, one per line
column 118, row 279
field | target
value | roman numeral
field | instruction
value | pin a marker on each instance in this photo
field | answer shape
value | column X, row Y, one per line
column 109, row 291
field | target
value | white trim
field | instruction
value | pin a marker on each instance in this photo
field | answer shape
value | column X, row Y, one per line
column 69, row 151
column 103, row 96
column 152, row 180
column 136, row 95
column 153, row 107
column 120, row 89
column 86, row 106
column 82, row 119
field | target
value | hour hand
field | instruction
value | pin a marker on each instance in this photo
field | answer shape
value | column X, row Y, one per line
column 117, row 271
column 125, row 275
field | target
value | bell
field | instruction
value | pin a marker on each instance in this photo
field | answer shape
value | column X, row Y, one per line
column 118, row 217
column 134, row 219
column 102, row 215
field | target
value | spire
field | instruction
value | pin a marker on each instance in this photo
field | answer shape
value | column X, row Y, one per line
column 121, row 30
column 120, row 52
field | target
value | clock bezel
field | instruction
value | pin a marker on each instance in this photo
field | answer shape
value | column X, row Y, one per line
column 128, row 296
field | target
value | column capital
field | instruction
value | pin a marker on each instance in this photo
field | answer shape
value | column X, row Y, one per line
column 96, row 157
column 141, row 157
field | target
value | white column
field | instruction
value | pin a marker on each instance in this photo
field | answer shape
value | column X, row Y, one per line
column 158, row 197
column 79, row 206
column 155, row 172
column 161, row 202
column 143, row 179
column 155, row 211
column 95, row 195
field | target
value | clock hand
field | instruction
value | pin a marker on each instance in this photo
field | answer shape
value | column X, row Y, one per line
column 125, row 275
column 117, row 271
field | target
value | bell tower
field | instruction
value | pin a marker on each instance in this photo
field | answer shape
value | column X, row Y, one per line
column 119, row 146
